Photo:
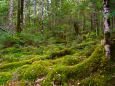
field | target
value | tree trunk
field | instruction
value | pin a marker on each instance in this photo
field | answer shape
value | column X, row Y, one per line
column 113, row 21
column 107, row 28
column 29, row 12
column 42, row 13
column 34, row 11
column 83, row 20
column 25, row 12
column 94, row 20
column 19, row 16
column 91, row 22
column 11, row 12
column 76, row 27
column 22, row 6
column 18, row 26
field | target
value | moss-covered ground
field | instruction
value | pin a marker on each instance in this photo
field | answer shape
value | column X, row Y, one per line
column 84, row 64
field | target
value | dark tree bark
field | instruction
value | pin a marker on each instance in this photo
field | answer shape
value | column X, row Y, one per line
column 84, row 21
column 76, row 27
column 18, row 25
column 22, row 6
column 19, row 16
column 94, row 20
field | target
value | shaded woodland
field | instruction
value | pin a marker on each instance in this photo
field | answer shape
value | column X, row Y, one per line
column 57, row 42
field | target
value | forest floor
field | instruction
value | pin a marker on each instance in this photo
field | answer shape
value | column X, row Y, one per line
column 83, row 64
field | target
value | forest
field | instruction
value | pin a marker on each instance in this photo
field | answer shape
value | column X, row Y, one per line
column 57, row 42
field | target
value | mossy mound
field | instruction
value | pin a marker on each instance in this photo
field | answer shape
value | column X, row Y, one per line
column 61, row 74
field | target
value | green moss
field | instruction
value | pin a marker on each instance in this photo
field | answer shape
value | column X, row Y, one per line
column 46, row 63
column 18, row 83
column 56, row 77
column 60, row 66
column 19, row 71
column 97, row 80
column 35, row 71
column 58, row 74
column 4, row 76
column 17, row 64
column 31, row 72
column 36, row 58
column 62, row 73
column 46, row 83
column 14, row 64
column 30, row 50
column 60, row 53
column 89, row 65
column 9, row 50
column 87, row 81
column 71, row 60
column 23, row 50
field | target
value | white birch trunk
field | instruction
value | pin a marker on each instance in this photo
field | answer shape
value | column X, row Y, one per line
column 107, row 28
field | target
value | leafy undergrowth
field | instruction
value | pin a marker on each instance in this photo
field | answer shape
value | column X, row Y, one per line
column 56, row 64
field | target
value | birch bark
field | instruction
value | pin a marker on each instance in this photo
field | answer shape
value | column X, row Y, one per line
column 107, row 27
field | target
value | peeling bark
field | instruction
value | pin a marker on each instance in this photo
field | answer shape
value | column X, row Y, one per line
column 107, row 28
